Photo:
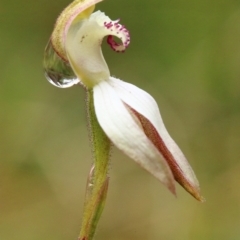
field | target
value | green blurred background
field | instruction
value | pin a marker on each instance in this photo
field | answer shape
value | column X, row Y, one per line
column 187, row 55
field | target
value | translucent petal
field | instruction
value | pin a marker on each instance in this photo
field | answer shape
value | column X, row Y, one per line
column 124, row 131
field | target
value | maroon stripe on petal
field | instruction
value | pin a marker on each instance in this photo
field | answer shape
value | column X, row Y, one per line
column 156, row 139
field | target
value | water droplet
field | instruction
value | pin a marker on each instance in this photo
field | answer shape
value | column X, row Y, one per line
column 57, row 71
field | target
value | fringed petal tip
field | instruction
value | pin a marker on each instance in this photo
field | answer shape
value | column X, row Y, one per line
column 113, row 28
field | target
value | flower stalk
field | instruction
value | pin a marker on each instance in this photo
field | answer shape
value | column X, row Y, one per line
column 97, row 184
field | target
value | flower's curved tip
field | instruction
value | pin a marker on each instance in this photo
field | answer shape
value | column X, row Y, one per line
column 172, row 188
column 200, row 198
column 195, row 192
column 174, row 193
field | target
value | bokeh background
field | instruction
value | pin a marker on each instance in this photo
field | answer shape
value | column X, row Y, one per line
column 187, row 55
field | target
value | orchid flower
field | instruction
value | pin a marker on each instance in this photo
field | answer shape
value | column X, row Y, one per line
column 119, row 112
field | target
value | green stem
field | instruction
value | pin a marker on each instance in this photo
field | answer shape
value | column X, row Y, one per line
column 98, row 180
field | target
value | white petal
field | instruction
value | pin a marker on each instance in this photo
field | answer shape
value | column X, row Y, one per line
column 144, row 104
column 83, row 46
column 119, row 125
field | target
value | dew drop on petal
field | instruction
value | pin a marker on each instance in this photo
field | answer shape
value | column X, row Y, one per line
column 57, row 71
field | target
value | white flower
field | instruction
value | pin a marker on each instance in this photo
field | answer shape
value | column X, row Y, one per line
column 128, row 115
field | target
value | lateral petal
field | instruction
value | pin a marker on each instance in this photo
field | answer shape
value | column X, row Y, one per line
column 145, row 108
column 121, row 127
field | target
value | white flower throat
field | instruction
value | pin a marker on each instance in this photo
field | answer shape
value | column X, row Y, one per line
column 85, row 63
